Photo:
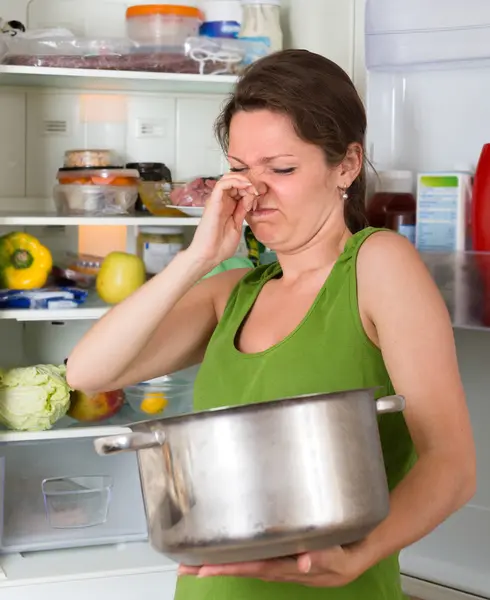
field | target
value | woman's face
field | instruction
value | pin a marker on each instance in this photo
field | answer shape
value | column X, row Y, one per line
column 298, row 190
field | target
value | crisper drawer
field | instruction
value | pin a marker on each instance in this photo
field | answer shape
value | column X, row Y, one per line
column 61, row 494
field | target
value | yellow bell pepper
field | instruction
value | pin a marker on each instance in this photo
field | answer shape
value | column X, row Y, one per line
column 25, row 263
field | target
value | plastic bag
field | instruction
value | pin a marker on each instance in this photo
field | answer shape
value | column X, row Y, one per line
column 45, row 298
column 224, row 56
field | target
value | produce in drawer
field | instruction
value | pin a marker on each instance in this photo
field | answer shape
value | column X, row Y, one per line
column 120, row 275
column 33, row 398
column 25, row 263
column 91, row 408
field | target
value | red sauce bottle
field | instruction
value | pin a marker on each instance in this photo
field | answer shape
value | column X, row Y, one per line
column 393, row 205
column 480, row 214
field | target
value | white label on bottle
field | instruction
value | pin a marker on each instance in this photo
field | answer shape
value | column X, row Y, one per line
column 157, row 256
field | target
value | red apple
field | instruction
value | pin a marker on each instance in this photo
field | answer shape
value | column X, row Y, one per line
column 95, row 407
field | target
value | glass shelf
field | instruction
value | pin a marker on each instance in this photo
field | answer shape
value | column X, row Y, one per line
column 463, row 278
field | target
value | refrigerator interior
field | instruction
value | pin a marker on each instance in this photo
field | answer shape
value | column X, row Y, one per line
column 38, row 125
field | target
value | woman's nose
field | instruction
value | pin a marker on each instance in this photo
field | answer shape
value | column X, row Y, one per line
column 258, row 182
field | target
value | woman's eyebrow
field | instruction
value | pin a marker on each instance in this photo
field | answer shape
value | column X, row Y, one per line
column 264, row 160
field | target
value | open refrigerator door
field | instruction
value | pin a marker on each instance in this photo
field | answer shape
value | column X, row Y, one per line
column 428, row 89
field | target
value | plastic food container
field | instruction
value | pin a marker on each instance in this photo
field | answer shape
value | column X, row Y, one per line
column 166, row 396
column 76, row 502
column 94, row 199
column 109, row 176
column 157, row 25
column 81, row 270
column 90, row 158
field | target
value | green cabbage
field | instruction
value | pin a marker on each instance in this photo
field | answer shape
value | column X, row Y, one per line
column 33, row 398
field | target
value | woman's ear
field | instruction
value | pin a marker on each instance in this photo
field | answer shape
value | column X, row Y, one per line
column 351, row 166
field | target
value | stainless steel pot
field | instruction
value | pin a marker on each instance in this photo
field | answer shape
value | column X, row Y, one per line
column 264, row 480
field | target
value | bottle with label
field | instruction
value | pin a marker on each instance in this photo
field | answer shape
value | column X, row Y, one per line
column 262, row 23
column 393, row 205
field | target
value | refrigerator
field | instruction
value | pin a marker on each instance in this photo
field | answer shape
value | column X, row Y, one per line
column 428, row 84
column 427, row 111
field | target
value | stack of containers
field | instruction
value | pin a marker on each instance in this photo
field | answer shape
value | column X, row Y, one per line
column 90, row 184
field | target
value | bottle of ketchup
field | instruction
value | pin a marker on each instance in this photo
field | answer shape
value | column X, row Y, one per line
column 480, row 214
column 480, row 228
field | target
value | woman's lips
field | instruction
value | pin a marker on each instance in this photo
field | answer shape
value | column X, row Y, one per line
column 263, row 212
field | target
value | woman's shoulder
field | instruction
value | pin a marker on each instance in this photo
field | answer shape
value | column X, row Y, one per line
column 382, row 248
column 391, row 274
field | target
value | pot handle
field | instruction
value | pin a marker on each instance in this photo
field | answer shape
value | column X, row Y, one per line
column 128, row 443
column 390, row 404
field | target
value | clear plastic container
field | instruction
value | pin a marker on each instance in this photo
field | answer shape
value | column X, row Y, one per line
column 90, row 158
column 166, row 396
column 157, row 25
column 94, row 200
column 107, row 176
column 77, row 502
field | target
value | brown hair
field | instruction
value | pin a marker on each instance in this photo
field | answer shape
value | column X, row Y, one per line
column 322, row 103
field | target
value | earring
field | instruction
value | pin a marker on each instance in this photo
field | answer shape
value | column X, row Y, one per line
column 345, row 195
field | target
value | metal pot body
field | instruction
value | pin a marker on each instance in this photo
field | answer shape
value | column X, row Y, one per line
column 262, row 481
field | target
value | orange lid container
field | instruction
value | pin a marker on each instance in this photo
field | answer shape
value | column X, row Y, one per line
column 149, row 10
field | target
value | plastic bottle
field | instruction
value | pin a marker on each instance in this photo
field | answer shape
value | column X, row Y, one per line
column 480, row 217
column 262, row 22
column 393, row 205
column 222, row 18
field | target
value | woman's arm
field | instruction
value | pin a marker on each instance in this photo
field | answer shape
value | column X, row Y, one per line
column 414, row 332
column 166, row 325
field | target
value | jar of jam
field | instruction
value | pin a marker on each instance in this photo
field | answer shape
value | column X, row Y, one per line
column 394, row 205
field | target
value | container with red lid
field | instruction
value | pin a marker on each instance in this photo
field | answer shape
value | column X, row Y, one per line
column 161, row 26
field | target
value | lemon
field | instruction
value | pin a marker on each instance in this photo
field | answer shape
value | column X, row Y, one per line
column 154, row 403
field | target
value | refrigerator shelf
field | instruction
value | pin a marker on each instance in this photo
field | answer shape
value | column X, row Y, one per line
column 44, row 219
column 91, row 79
column 463, row 278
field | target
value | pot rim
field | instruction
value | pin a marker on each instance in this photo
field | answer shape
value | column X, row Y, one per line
column 259, row 406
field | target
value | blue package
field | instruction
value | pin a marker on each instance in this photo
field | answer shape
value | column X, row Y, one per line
column 220, row 29
column 44, row 298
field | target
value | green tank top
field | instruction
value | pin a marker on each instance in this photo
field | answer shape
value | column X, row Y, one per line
column 328, row 352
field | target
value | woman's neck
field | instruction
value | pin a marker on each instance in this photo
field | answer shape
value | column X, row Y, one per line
column 318, row 255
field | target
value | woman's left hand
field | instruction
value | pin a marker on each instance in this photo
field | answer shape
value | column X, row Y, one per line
column 335, row 567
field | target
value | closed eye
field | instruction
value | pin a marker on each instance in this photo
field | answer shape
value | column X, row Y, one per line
column 285, row 171
column 237, row 169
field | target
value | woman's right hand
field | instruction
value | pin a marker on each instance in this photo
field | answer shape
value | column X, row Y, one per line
column 220, row 230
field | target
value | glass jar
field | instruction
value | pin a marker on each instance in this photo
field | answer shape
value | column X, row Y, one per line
column 158, row 246
column 155, row 178
column 394, row 205
column 262, row 22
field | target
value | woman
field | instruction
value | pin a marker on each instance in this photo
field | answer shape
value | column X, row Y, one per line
column 345, row 307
